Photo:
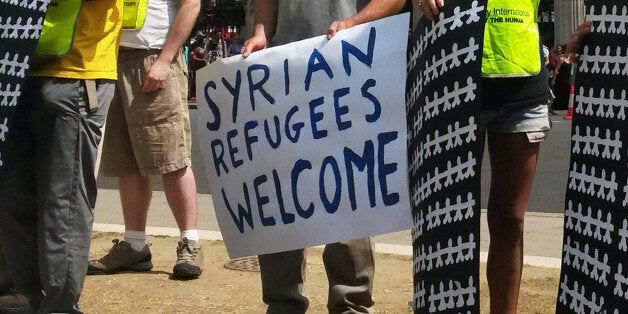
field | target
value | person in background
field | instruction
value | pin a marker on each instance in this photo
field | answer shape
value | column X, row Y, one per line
column 220, row 49
column 48, row 187
column 148, row 133
column 235, row 47
column 349, row 265
column 548, row 67
column 562, row 80
column 198, row 59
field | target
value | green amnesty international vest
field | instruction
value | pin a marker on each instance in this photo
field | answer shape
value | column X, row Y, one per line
column 134, row 14
column 57, row 33
column 511, row 39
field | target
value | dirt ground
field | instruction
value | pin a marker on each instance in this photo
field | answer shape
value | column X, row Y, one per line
column 223, row 290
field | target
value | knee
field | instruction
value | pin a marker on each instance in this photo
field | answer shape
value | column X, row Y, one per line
column 506, row 226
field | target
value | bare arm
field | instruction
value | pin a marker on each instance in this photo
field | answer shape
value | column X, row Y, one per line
column 181, row 28
column 375, row 9
column 576, row 38
column 265, row 22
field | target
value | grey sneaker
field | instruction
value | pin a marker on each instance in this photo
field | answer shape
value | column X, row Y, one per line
column 13, row 302
column 121, row 257
column 189, row 260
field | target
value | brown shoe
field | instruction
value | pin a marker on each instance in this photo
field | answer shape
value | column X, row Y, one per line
column 121, row 257
column 14, row 302
column 189, row 260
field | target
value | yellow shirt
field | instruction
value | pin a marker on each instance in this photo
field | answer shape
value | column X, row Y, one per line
column 94, row 51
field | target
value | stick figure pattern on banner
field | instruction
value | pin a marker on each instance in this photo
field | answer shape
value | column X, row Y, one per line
column 443, row 106
column 21, row 22
column 594, row 265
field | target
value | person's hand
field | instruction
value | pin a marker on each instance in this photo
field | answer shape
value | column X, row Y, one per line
column 576, row 38
column 335, row 27
column 429, row 8
column 255, row 43
column 156, row 76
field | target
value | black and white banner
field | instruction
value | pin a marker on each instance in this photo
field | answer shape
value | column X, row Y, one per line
column 443, row 105
column 21, row 22
column 594, row 276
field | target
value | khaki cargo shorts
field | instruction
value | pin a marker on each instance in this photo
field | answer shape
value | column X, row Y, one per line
column 147, row 133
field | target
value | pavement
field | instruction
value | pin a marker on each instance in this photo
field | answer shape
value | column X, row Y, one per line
column 542, row 246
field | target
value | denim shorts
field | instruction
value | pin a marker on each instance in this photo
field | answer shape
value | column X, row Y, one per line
column 532, row 119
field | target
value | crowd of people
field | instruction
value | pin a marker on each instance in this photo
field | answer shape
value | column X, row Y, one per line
column 49, row 187
column 207, row 46
column 560, row 76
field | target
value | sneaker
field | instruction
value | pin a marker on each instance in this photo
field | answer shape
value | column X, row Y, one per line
column 121, row 257
column 189, row 260
column 13, row 302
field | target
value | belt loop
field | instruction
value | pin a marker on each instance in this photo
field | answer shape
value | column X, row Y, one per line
column 92, row 96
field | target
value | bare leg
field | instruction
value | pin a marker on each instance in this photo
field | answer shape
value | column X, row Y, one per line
column 513, row 163
column 180, row 189
column 135, row 195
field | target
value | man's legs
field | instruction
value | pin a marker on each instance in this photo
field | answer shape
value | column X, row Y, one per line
column 67, row 211
column 283, row 282
column 5, row 283
column 47, row 230
column 350, row 270
column 513, row 164
column 18, row 213
column 135, row 195
column 180, row 190
column 149, row 133
column 10, row 300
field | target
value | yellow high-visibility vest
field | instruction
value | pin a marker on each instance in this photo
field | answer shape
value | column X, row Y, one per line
column 511, row 39
column 134, row 14
column 57, row 33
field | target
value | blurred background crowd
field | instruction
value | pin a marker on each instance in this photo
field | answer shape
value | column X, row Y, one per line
column 224, row 25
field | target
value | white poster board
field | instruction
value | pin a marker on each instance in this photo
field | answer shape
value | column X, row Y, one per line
column 305, row 144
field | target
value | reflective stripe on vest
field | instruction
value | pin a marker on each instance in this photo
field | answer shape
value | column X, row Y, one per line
column 511, row 39
column 134, row 14
column 57, row 33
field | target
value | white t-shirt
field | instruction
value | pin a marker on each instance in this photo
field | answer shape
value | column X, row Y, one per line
column 160, row 15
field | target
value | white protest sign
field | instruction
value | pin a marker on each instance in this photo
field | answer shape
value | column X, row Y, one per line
column 305, row 144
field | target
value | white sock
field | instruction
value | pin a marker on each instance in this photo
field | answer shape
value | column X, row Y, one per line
column 190, row 234
column 137, row 239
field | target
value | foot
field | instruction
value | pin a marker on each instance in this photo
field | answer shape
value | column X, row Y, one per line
column 13, row 302
column 189, row 260
column 121, row 257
